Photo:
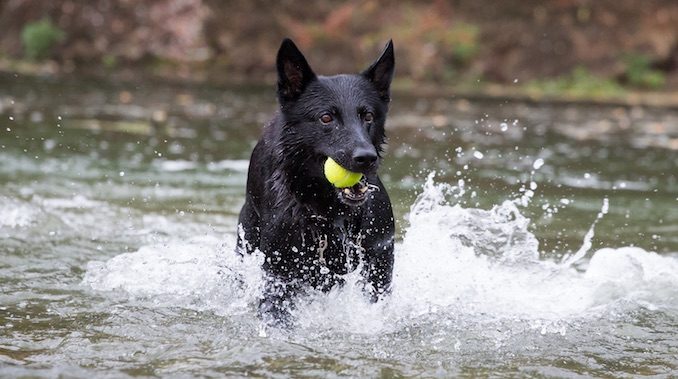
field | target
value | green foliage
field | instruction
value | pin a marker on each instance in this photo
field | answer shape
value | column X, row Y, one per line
column 456, row 47
column 39, row 37
column 579, row 83
column 462, row 38
column 109, row 61
column 639, row 72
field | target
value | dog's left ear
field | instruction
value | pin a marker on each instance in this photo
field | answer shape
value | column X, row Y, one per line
column 380, row 72
column 294, row 73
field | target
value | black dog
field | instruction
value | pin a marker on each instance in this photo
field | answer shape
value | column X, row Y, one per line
column 310, row 232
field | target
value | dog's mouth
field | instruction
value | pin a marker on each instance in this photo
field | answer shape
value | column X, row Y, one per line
column 357, row 194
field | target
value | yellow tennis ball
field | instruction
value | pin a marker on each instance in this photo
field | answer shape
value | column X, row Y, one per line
column 339, row 176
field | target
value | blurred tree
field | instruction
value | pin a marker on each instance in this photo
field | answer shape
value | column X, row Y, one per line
column 444, row 41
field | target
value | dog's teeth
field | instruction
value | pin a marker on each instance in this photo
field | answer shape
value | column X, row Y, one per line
column 347, row 191
column 363, row 189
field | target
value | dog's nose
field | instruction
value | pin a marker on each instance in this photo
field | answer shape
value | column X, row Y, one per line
column 364, row 157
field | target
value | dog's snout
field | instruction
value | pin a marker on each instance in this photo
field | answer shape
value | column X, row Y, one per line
column 364, row 157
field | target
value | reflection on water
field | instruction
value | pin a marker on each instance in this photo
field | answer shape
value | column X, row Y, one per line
column 118, row 206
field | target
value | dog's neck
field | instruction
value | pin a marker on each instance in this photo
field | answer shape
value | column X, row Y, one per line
column 304, row 198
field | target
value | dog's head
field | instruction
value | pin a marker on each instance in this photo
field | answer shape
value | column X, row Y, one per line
column 339, row 116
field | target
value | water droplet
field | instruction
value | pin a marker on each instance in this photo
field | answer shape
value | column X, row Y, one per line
column 262, row 331
column 478, row 155
column 538, row 163
column 606, row 206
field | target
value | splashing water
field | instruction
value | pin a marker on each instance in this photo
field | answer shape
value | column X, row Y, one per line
column 198, row 274
column 455, row 265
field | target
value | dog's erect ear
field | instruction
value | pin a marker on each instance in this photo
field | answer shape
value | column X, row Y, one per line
column 294, row 73
column 380, row 72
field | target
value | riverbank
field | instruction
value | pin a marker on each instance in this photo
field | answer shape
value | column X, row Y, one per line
column 570, row 50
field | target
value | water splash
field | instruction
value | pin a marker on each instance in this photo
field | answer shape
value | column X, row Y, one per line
column 199, row 274
column 588, row 238
column 455, row 265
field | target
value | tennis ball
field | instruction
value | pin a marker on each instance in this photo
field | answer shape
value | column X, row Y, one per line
column 339, row 176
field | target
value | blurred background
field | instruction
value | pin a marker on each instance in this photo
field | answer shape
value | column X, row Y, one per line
column 578, row 48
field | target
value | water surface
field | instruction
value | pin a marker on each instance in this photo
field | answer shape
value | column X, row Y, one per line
column 544, row 244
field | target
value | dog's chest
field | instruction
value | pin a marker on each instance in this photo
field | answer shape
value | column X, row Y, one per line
column 329, row 249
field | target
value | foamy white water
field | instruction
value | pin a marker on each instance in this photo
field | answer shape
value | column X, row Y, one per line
column 454, row 263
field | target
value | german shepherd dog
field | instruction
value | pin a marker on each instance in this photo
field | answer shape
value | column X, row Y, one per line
column 310, row 232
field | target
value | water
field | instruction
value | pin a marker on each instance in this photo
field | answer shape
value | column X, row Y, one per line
column 544, row 245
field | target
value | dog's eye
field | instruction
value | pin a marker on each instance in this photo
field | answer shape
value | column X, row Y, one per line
column 369, row 117
column 326, row 118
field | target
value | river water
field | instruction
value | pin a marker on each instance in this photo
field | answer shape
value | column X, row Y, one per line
column 534, row 240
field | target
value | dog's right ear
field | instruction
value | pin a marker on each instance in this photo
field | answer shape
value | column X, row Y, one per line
column 294, row 73
column 380, row 73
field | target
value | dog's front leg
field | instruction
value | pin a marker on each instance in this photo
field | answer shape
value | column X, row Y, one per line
column 378, row 269
column 248, row 229
column 379, row 240
column 277, row 302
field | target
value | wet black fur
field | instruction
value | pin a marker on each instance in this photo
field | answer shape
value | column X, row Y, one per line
column 290, row 207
